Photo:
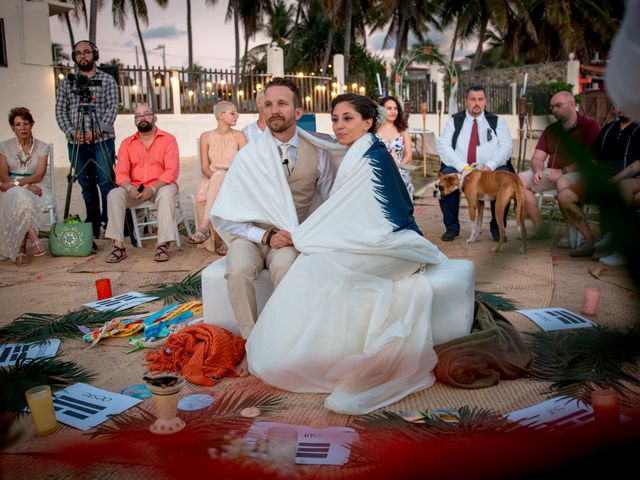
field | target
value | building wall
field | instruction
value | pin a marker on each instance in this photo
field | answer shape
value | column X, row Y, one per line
column 28, row 79
column 538, row 73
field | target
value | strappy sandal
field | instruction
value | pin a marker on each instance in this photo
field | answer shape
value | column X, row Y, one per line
column 117, row 255
column 161, row 253
column 22, row 260
column 37, row 250
column 198, row 237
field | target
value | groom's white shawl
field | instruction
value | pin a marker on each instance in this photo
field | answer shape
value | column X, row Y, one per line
column 353, row 219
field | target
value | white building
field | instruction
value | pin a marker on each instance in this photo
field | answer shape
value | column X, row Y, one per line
column 26, row 75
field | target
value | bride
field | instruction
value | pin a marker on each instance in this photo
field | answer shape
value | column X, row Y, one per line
column 351, row 318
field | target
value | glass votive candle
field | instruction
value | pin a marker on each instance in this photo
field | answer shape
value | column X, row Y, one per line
column 43, row 414
column 590, row 300
column 606, row 408
column 282, row 444
column 103, row 288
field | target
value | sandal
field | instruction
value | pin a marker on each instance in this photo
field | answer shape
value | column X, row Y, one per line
column 37, row 250
column 198, row 237
column 221, row 249
column 117, row 255
column 22, row 260
column 161, row 253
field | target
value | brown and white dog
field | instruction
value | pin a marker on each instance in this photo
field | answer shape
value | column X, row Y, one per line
column 479, row 186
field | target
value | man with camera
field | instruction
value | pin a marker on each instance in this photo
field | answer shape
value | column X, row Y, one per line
column 86, row 109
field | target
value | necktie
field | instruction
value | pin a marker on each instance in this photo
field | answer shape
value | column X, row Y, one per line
column 284, row 154
column 474, row 141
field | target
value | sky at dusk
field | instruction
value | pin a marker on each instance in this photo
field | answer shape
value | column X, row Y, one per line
column 213, row 38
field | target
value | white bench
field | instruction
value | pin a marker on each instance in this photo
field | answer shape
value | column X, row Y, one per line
column 453, row 301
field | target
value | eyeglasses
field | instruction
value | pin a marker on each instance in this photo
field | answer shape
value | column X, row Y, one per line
column 557, row 105
column 138, row 116
column 84, row 52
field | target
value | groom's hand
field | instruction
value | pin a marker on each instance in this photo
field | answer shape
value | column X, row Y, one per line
column 281, row 239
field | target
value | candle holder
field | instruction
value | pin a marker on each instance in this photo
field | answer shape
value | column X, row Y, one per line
column 103, row 288
column 40, row 404
column 166, row 390
column 606, row 409
column 590, row 300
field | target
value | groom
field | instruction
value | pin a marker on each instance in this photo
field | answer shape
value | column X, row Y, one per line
column 252, row 246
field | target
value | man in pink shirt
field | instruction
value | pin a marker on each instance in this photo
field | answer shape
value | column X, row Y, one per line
column 147, row 169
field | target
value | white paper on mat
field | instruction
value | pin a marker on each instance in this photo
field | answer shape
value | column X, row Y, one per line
column 550, row 319
column 316, row 446
column 121, row 302
column 10, row 353
column 560, row 412
column 84, row 406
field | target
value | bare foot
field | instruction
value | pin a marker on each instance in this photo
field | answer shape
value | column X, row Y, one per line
column 242, row 369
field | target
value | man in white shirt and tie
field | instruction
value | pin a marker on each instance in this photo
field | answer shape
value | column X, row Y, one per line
column 472, row 136
column 256, row 246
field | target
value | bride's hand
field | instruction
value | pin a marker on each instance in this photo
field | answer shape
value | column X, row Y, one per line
column 281, row 239
column 35, row 189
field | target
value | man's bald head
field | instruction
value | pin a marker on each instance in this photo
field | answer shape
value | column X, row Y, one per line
column 563, row 107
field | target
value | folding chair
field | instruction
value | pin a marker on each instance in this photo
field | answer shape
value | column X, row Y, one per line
column 51, row 208
column 147, row 211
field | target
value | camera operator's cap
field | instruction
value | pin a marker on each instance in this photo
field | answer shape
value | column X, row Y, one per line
column 94, row 50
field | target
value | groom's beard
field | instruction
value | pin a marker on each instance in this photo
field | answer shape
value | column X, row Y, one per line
column 278, row 123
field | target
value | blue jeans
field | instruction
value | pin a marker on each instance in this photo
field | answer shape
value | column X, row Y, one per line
column 92, row 176
column 450, row 204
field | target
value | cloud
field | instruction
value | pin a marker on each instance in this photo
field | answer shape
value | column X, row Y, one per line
column 165, row 31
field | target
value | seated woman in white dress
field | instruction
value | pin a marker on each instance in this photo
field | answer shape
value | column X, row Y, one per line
column 23, row 165
column 350, row 317
column 394, row 132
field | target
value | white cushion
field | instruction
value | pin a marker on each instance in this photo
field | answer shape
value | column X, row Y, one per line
column 453, row 301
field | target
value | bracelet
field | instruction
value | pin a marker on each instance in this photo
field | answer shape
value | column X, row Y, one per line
column 271, row 234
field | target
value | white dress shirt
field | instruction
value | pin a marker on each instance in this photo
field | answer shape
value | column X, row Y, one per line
column 253, row 233
column 251, row 131
column 494, row 150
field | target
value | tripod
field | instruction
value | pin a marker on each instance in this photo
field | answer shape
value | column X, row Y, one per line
column 86, row 114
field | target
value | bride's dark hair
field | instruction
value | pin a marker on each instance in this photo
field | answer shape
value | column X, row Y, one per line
column 363, row 105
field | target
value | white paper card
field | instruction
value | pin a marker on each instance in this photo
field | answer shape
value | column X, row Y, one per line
column 121, row 302
column 561, row 412
column 325, row 446
column 10, row 353
column 83, row 406
column 550, row 319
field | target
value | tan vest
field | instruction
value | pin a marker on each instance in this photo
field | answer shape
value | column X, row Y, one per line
column 302, row 181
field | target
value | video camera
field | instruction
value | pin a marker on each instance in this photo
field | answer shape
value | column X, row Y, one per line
column 80, row 86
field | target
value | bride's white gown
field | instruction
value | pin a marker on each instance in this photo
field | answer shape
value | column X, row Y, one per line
column 350, row 318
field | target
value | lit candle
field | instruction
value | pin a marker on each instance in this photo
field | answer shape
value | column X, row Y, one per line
column 606, row 408
column 590, row 300
column 103, row 288
column 41, row 407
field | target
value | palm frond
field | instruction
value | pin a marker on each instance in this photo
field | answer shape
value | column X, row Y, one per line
column 375, row 430
column 190, row 288
column 495, row 300
column 44, row 326
column 19, row 378
column 576, row 362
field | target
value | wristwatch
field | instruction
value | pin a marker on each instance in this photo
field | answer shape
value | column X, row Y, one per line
column 16, row 182
column 565, row 171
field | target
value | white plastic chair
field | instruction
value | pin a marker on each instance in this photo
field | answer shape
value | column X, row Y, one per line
column 148, row 212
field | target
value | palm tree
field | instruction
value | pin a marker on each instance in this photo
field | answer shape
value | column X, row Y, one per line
column 189, row 36
column 120, row 9
column 58, row 54
column 94, row 6
column 79, row 11
column 279, row 23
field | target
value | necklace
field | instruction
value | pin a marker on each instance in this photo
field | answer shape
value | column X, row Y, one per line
column 23, row 158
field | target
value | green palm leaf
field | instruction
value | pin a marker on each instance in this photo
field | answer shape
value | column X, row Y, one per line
column 44, row 326
column 190, row 288
column 19, row 378
column 495, row 300
column 576, row 362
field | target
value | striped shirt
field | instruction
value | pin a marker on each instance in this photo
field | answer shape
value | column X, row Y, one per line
column 106, row 106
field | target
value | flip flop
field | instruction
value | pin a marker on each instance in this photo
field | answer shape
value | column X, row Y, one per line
column 37, row 250
column 198, row 238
